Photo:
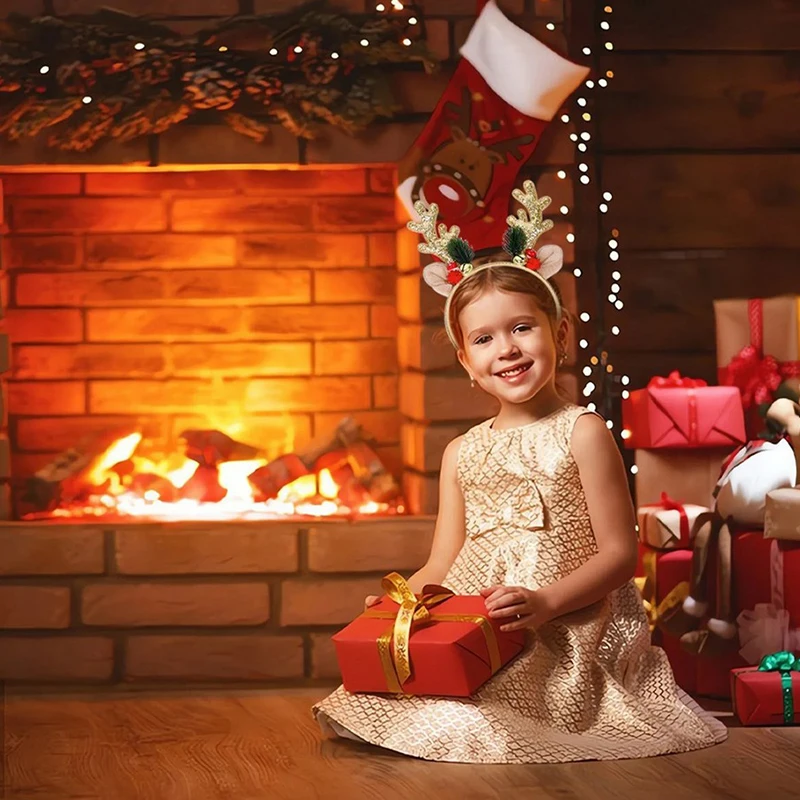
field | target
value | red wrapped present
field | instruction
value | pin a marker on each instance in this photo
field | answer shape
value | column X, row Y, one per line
column 758, row 346
column 434, row 644
column 766, row 582
column 666, row 576
column 666, row 525
column 768, row 694
column 680, row 412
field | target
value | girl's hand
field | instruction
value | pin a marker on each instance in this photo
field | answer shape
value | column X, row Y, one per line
column 371, row 600
column 521, row 607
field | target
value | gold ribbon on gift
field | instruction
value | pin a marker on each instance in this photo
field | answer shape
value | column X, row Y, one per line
column 393, row 644
column 647, row 587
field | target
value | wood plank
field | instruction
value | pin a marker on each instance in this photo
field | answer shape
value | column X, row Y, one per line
column 705, row 25
column 669, row 295
column 705, row 201
column 702, row 101
column 264, row 744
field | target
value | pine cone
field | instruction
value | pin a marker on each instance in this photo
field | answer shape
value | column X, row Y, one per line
column 155, row 117
column 208, row 87
column 152, row 67
column 76, row 78
column 319, row 71
column 263, row 84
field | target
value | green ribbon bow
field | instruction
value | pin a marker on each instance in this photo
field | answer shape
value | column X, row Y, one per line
column 786, row 663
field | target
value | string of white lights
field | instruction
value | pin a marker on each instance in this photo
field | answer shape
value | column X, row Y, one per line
column 598, row 371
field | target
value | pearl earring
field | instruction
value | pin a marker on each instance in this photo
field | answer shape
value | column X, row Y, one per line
column 472, row 383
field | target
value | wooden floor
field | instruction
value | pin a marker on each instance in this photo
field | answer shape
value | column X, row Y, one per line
column 254, row 745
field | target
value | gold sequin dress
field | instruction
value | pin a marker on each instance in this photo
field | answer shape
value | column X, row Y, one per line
column 588, row 685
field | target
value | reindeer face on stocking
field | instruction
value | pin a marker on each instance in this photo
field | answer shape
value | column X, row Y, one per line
column 459, row 175
column 505, row 90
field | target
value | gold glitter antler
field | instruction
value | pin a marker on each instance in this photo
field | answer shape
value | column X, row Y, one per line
column 436, row 238
column 529, row 217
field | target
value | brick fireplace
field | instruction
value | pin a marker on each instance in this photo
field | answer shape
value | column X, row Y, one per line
column 263, row 302
column 258, row 302
column 268, row 300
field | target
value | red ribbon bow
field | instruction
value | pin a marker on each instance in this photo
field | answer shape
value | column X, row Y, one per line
column 673, row 505
column 675, row 381
column 755, row 376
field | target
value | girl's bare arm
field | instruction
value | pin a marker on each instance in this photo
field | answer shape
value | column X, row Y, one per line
column 613, row 519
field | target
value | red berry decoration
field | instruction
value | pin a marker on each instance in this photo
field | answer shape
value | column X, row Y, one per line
column 532, row 261
column 454, row 276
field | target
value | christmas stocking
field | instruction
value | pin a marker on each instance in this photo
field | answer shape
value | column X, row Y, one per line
column 505, row 90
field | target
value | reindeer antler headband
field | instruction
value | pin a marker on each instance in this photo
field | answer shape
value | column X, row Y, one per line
column 455, row 254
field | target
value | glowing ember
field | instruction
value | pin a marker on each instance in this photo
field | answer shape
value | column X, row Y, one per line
column 124, row 482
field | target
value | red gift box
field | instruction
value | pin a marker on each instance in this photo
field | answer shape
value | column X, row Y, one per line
column 682, row 413
column 753, row 570
column 701, row 676
column 451, row 650
column 766, row 697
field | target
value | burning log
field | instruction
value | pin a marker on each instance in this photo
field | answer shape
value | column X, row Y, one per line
column 143, row 483
column 271, row 478
column 68, row 478
column 370, row 472
column 203, row 486
column 211, row 447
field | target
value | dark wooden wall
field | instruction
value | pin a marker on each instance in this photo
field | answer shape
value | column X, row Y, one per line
column 698, row 139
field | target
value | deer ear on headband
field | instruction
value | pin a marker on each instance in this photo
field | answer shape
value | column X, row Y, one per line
column 551, row 258
column 435, row 275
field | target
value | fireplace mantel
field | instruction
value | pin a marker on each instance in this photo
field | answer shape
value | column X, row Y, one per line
column 203, row 147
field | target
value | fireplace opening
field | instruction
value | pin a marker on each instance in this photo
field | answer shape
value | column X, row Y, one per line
column 212, row 476
column 212, row 344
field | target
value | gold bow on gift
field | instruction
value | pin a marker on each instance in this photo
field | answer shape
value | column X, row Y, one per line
column 413, row 609
column 393, row 644
column 647, row 587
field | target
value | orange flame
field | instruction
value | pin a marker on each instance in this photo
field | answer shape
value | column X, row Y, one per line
column 112, row 489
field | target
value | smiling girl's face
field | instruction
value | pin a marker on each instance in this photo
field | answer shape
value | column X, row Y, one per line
column 509, row 346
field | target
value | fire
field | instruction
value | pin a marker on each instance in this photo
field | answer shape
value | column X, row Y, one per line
column 120, row 451
column 125, row 481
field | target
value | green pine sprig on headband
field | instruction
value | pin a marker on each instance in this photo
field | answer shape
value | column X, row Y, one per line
column 460, row 251
column 461, row 254
column 515, row 241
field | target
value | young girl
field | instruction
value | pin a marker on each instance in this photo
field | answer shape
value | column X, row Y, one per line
column 535, row 515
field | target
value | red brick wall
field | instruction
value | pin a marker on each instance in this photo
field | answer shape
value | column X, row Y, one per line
column 216, row 602
column 430, row 379
column 171, row 299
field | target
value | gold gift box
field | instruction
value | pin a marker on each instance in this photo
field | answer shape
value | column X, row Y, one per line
column 688, row 476
column 782, row 520
column 781, row 328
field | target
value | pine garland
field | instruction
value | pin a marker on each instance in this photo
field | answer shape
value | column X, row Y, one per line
column 113, row 76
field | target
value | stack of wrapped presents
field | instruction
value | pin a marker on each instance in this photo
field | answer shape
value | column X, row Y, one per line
column 719, row 513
